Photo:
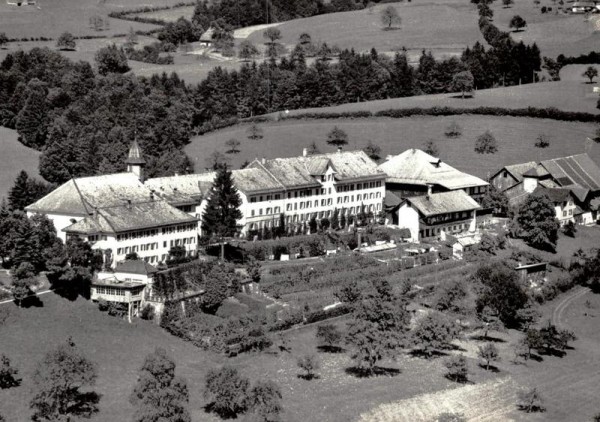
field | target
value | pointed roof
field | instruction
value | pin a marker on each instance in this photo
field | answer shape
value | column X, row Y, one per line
column 416, row 167
column 135, row 266
column 577, row 169
column 135, row 154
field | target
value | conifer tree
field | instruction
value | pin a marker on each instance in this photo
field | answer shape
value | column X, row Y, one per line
column 223, row 208
column 31, row 120
column 26, row 191
column 159, row 395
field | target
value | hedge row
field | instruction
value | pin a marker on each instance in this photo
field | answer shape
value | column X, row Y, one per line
column 125, row 14
column 305, row 245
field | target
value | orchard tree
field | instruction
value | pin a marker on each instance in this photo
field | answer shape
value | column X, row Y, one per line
column 247, row 51
column 390, row 17
column 57, row 381
column 486, row 143
column 66, row 41
column 463, row 82
column 378, row 327
column 337, row 137
column 233, row 146
column 542, row 141
column 488, row 353
column 431, row 148
column 530, row 400
column 518, row 23
column 314, row 149
column 264, row 402
column 8, row 374
column 591, row 72
column 453, row 130
column 227, row 391
column 434, row 332
column 272, row 34
column 160, row 396
column 254, row 132
column 457, row 369
column 537, row 223
column 329, row 337
column 507, row 3
column 310, row 364
column 373, row 151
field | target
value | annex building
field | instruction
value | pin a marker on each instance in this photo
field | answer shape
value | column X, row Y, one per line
column 572, row 183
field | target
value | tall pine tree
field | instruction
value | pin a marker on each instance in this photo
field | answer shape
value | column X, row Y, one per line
column 223, row 208
column 26, row 191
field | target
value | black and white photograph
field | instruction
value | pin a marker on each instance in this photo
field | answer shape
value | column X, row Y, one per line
column 300, row 210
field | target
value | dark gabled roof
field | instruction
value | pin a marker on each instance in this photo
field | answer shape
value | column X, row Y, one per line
column 443, row 203
column 391, row 200
column 517, row 170
column 137, row 216
column 557, row 196
column 577, row 169
column 536, row 172
column 135, row 266
column 416, row 167
column 80, row 196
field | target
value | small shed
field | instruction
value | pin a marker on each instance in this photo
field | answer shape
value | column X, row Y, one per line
column 532, row 273
column 464, row 244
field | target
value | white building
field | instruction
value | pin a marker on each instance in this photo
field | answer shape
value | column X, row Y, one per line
column 124, row 213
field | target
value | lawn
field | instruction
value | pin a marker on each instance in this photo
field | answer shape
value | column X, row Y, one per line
column 14, row 157
column 51, row 18
column 445, row 27
column 515, row 136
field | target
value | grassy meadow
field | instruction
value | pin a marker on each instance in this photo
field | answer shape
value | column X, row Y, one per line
column 53, row 17
column 515, row 136
column 14, row 157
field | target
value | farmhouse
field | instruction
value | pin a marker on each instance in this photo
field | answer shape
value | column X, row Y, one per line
column 413, row 172
column 572, row 183
column 435, row 215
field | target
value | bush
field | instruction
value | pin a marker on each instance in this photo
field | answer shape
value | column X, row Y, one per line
column 530, row 400
column 147, row 312
column 310, row 364
column 117, row 309
column 227, row 391
column 457, row 368
column 103, row 305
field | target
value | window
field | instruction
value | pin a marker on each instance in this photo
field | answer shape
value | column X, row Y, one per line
column 564, row 213
column 260, row 211
column 322, row 202
column 329, row 201
column 358, row 197
column 252, row 213
column 269, row 211
column 253, row 199
column 288, row 207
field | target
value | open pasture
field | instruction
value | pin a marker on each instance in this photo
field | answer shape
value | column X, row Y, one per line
column 445, row 27
column 14, row 157
column 51, row 18
column 515, row 136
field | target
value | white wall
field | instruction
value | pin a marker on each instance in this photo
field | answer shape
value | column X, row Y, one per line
column 408, row 218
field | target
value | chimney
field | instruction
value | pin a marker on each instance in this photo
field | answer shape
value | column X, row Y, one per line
column 152, row 195
column 429, row 189
column 129, row 204
column 389, row 157
column 304, row 152
column 339, row 150
column 263, row 160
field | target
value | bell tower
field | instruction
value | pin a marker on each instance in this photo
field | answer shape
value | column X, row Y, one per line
column 135, row 161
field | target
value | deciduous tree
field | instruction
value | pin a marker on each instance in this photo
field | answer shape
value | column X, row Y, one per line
column 66, row 41
column 310, row 364
column 264, row 402
column 254, row 132
column 463, row 82
column 3, row 40
column 227, row 391
column 486, row 143
column 591, row 72
column 457, row 369
column 431, row 148
column 537, row 223
column 434, row 332
column 247, row 51
column 390, row 17
column 111, row 59
column 329, row 336
column 373, row 151
column 453, row 130
column 57, row 383
column 160, row 396
column 488, row 353
column 337, row 137
column 530, row 400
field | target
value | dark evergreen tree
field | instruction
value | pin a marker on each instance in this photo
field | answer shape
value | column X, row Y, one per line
column 31, row 121
column 26, row 191
column 222, row 210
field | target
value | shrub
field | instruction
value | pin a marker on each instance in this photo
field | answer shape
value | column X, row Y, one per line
column 453, row 130
column 117, row 309
column 227, row 390
column 542, row 141
column 147, row 312
column 103, row 305
column 8, row 373
column 457, row 368
column 329, row 336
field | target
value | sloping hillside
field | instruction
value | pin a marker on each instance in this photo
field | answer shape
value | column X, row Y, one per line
column 14, row 157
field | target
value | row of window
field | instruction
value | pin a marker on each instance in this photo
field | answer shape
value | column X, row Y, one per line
column 180, row 228
column 317, row 191
column 136, row 235
column 450, row 229
column 153, row 246
column 109, row 291
column 448, row 217
column 96, row 237
column 268, row 211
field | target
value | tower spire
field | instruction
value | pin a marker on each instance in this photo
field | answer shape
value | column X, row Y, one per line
column 135, row 160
